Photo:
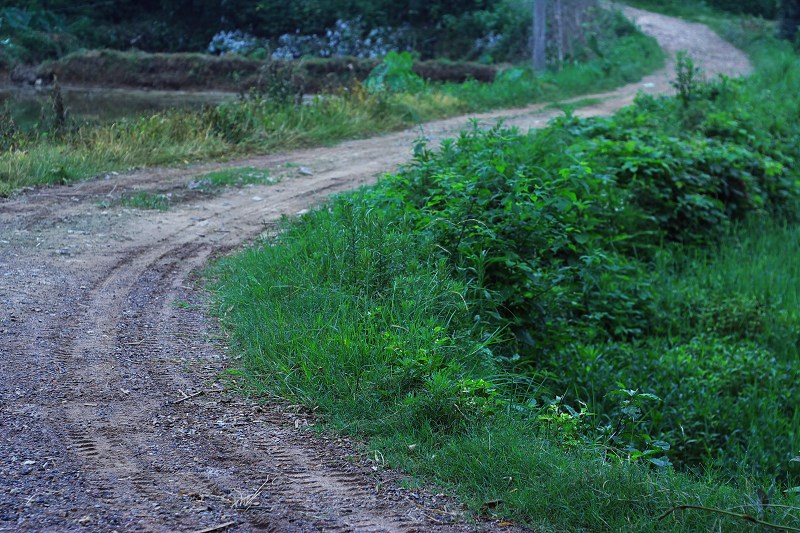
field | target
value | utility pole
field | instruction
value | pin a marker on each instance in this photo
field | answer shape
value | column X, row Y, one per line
column 539, row 40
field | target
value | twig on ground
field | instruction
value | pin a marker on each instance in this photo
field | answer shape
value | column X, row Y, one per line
column 198, row 393
column 189, row 396
column 220, row 527
column 256, row 494
column 744, row 517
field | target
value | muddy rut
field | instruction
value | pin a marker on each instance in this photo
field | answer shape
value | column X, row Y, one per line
column 112, row 413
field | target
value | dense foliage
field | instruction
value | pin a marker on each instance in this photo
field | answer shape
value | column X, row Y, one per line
column 554, row 234
column 479, row 30
column 34, row 30
column 549, row 223
column 486, row 30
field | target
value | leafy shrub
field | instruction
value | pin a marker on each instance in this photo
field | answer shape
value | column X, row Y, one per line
column 687, row 76
column 554, row 234
column 394, row 74
column 550, row 227
column 526, row 225
column 689, row 188
column 33, row 35
column 709, row 168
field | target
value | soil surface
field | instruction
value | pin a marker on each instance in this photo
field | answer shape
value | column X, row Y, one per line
column 112, row 413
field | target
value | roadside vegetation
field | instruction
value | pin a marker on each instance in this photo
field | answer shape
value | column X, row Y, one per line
column 393, row 97
column 583, row 327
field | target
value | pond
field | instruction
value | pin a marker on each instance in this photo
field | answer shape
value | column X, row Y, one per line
column 29, row 104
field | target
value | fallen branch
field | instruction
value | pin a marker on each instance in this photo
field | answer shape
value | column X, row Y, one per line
column 198, row 393
column 220, row 527
column 745, row 517
column 256, row 494
column 137, row 343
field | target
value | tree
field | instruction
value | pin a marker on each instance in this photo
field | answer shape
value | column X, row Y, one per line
column 539, row 38
column 789, row 19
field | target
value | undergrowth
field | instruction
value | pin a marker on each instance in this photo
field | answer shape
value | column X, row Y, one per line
column 578, row 328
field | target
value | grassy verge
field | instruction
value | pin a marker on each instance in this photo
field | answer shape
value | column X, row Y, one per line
column 263, row 123
column 567, row 327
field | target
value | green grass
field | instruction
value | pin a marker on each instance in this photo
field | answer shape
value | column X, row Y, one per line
column 547, row 321
column 146, row 200
column 232, row 177
column 258, row 124
column 172, row 137
column 748, row 287
column 571, row 106
column 352, row 314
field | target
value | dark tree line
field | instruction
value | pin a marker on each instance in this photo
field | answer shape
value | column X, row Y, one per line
column 790, row 19
column 174, row 25
column 447, row 28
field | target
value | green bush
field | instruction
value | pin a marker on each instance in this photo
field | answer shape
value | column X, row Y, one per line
column 394, row 74
column 33, row 35
column 526, row 224
column 556, row 234
column 549, row 228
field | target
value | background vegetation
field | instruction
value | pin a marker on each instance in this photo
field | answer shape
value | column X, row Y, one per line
column 483, row 30
column 32, row 31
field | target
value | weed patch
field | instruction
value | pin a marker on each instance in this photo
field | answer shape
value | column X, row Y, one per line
column 146, row 200
column 231, row 177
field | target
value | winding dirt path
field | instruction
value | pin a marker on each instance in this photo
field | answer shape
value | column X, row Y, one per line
column 111, row 414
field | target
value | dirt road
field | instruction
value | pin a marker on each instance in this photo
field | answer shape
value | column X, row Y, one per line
column 111, row 413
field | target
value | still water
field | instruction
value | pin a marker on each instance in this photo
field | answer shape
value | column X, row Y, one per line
column 28, row 104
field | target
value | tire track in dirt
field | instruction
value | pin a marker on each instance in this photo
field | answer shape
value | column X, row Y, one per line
column 112, row 415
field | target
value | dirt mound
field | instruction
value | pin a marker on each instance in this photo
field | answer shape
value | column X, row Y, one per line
column 110, row 68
